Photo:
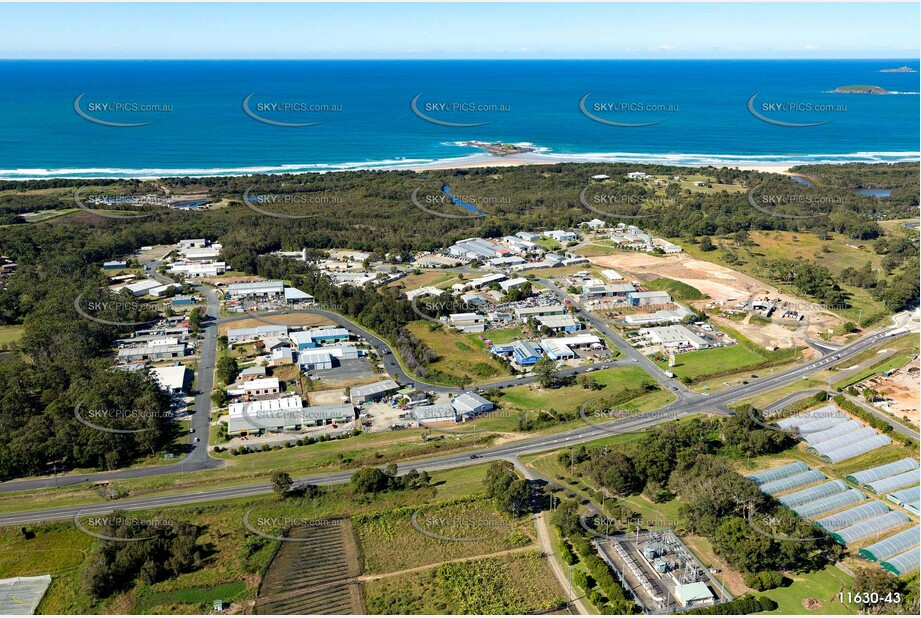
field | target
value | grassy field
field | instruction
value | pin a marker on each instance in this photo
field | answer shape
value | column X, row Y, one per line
column 835, row 253
column 461, row 357
column 677, row 289
column 436, row 278
column 520, row 583
column 229, row 574
column 889, row 364
column 10, row 334
column 818, row 589
column 390, row 542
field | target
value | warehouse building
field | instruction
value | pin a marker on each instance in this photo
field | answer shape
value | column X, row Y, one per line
column 677, row 336
column 256, row 289
column 646, row 299
column 315, row 360
column 373, row 392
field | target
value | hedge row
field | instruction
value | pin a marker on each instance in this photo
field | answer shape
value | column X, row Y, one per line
column 743, row 605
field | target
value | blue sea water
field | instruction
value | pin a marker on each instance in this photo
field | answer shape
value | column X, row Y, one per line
column 360, row 116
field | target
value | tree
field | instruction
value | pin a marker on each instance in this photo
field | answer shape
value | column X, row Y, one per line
column 545, row 370
column 227, row 369
column 706, row 244
column 281, row 483
column 369, row 480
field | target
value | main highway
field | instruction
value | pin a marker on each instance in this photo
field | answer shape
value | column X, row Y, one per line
column 682, row 407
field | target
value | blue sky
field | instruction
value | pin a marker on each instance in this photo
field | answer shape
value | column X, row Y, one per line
column 461, row 31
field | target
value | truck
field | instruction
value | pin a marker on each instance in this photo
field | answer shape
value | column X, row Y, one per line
column 669, row 374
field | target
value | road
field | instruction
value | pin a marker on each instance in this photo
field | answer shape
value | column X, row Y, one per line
column 679, row 409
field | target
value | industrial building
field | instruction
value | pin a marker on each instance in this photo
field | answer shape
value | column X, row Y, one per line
column 256, row 289
column 677, row 337
column 372, row 392
column 646, row 299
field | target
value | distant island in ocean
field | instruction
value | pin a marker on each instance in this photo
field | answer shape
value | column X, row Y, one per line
column 860, row 89
column 899, row 70
column 499, row 149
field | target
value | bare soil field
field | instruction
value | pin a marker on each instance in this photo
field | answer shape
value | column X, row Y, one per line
column 903, row 389
column 724, row 285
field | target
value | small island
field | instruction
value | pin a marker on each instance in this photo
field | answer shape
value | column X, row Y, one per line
column 860, row 89
column 899, row 70
column 499, row 149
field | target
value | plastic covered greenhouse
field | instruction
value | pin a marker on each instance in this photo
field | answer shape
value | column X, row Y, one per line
column 870, row 527
column 811, row 494
column 891, row 483
column 792, row 482
column 842, row 429
column 852, row 516
column 881, row 472
column 893, row 546
column 775, row 474
column 853, row 437
column 903, row 563
column 877, row 441
column 833, row 503
column 906, row 496
column 813, row 415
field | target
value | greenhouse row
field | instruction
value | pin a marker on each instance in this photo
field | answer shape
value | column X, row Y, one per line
column 793, row 482
column 775, row 474
column 871, row 527
column 811, row 494
column 884, row 471
column 842, row 520
column 891, row 483
column 832, row 503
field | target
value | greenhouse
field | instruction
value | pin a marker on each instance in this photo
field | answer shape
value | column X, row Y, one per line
column 813, row 415
column 891, row 483
column 778, row 473
column 852, row 516
column 870, row 527
column 903, row 563
column 793, row 482
column 842, row 429
column 833, row 503
column 893, row 546
column 881, row 472
column 812, row 494
column 877, row 441
column 818, row 425
column 906, row 498
column 820, row 448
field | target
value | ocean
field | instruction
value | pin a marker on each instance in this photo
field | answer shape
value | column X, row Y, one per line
column 196, row 118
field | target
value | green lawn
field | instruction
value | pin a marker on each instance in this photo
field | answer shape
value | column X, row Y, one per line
column 462, row 358
column 10, row 334
column 819, row 587
column 694, row 365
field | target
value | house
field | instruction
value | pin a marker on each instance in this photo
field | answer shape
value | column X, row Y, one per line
column 600, row 177
column 256, row 371
column 294, row 296
column 256, row 289
column 474, row 299
column 561, row 236
column 560, row 323
column 276, row 343
column 512, row 284
column 372, row 392
column 437, row 413
column 470, row 404
column 198, row 270
column 556, row 350
column 258, row 417
column 282, row 356
column 667, row 247
column 525, row 313
column 676, row 336
column 700, row 183
column 152, row 352
column 594, row 224
column 174, row 379
column 637, row 175
column 257, row 387
column 182, row 301
column 645, row 299
column 467, row 322
column 141, row 288
column 605, row 290
column 523, row 352
column 312, row 361
column 235, row 335
column 529, row 236
column 114, row 265
column 612, row 275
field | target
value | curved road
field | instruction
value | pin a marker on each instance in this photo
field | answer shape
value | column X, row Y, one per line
column 678, row 409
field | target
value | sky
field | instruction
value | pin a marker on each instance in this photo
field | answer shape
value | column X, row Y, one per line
column 459, row 31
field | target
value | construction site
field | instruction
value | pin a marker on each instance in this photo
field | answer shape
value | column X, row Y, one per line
column 660, row 572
